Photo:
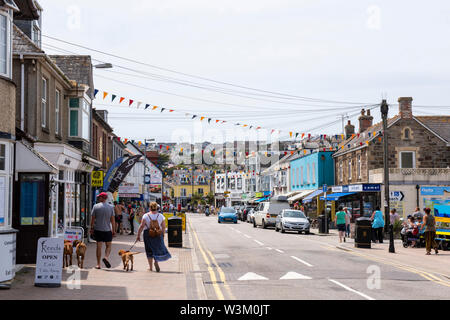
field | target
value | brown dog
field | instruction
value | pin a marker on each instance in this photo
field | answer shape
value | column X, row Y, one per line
column 68, row 252
column 80, row 252
column 127, row 257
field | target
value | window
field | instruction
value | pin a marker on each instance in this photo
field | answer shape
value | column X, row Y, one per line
column 5, row 40
column 302, row 180
column 44, row 103
column 79, row 118
column 239, row 183
column 407, row 159
column 183, row 192
column 349, row 169
column 341, row 171
column 308, row 173
column 2, row 157
column 200, row 191
column 359, row 167
column 407, row 134
column 57, row 111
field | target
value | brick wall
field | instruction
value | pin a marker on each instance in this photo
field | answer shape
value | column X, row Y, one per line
column 7, row 106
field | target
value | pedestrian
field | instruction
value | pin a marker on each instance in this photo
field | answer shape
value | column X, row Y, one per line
column 179, row 207
column 103, row 227
column 132, row 213
column 429, row 222
column 340, row 223
column 393, row 216
column 417, row 214
column 377, row 225
column 154, row 246
column 348, row 217
column 118, row 216
column 126, row 219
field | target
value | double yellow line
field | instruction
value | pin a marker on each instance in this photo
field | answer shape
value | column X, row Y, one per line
column 424, row 274
column 205, row 253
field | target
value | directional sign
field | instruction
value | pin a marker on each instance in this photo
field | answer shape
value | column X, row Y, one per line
column 396, row 196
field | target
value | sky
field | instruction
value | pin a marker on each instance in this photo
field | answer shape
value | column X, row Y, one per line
column 351, row 53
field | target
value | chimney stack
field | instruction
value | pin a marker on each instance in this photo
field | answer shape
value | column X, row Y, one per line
column 405, row 107
column 365, row 121
column 349, row 130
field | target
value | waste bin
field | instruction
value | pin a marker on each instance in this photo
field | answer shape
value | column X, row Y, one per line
column 323, row 224
column 363, row 233
column 175, row 232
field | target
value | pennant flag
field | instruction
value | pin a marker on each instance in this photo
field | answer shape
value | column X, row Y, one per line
column 379, row 139
column 154, row 108
column 374, row 133
column 296, row 135
column 309, row 135
column 303, row 135
column 342, row 136
column 209, row 120
column 223, row 121
column 171, row 110
column 367, row 142
column 126, row 140
column 121, row 100
column 324, row 136
column 194, row 116
column 244, row 125
column 217, row 121
column 358, row 135
column 353, row 135
column 292, row 152
column 139, row 104
column 139, row 143
column 162, row 109
column 167, row 147
column 321, row 137
column 146, row 106
column 131, row 102
column 118, row 138
column 272, row 131
column 104, row 95
column 201, row 118
column 258, row 128
column 290, row 134
column 113, row 97
column 95, row 92
column 304, row 151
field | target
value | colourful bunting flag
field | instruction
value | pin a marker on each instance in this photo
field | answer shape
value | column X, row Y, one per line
column 121, row 100
column 105, row 94
column 131, row 102
column 95, row 92
column 162, row 109
column 146, row 106
column 113, row 97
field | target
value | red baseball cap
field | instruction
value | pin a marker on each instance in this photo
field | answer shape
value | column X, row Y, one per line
column 103, row 194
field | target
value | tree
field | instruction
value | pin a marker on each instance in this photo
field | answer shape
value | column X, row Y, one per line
column 196, row 199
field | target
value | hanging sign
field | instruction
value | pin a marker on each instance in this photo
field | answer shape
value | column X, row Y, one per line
column 97, row 178
column 49, row 262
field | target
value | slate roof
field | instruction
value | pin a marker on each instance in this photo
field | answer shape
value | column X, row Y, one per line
column 29, row 10
column 23, row 44
column 439, row 124
column 78, row 68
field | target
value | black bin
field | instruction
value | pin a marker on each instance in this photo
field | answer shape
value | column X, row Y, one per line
column 175, row 232
column 323, row 224
column 363, row 233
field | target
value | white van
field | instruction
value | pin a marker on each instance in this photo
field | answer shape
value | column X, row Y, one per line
column 266, row 213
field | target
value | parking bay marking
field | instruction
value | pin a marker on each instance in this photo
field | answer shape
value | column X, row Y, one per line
column 300, row 260
column 259, row 242
column 247, row 236
column 351, row 290
column 280, row 251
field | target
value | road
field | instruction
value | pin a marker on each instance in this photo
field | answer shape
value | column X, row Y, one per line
column 240, row 262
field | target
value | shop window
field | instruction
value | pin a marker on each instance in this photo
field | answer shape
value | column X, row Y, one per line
column 200, row 191
column 32, row 200
column 407, row 159
column 2, row 157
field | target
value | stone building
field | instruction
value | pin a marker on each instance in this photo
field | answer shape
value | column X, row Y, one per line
column 415, row 143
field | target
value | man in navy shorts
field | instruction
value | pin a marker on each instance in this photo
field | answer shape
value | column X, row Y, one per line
column 103, row 227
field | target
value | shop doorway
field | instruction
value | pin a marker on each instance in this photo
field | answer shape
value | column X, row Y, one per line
column 31, row 217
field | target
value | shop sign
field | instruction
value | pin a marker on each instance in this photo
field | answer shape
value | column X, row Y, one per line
column 433, row 191
column 3, row 194
column 371, row 187
column 49, row 262
column 73, row 234
column 259, row 195
column 128, row 189
column 97, row 179
column 8, row 254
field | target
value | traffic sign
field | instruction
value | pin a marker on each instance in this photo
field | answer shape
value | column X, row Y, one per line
column 396, row 196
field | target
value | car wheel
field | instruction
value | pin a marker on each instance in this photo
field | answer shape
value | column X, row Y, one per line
column 299, row 232
column 282, row 229
column 254, row 223
column 219, row 221
column 276, row 228
column 235, row 222
column 307, row 232
column 264, row 225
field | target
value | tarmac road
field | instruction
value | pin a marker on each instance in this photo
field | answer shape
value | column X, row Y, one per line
column 241, row 262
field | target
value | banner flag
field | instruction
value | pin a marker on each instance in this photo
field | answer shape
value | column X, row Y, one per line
column 146, row 106
column 121, row 100
column 111, row 172
column 95, row 92
column 194, row 116
column 154, row 108
column 105, row 94
column 113, row 97
column 201, row 119
column 131, row 102
column 162, row 109
column 122, row 172
column 139, row 104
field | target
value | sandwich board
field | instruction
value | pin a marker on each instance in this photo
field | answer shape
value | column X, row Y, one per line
column 49, row 262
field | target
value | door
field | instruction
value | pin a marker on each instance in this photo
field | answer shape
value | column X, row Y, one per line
column 31, row 216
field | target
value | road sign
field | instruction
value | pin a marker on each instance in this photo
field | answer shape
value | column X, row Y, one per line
column 97, row 178
column 396, row 196
column 325, row 188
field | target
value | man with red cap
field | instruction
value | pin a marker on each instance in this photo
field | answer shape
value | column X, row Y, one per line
column 103, row 227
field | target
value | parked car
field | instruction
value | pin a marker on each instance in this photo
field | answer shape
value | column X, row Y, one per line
column 251, row 215
column 228, row 214
column 242, row 215
column 267, row 212
column 292, row 220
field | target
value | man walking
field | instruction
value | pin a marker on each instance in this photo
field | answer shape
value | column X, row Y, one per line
column 103, row 227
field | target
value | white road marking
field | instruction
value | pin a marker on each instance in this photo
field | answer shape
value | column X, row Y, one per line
column 246, row 235
column 251, row 276
column 300, row 260
column 352, row 290
column 280, row 251
column 294, row 276
column 269, row 248
column 237, row 231
column 259, row 242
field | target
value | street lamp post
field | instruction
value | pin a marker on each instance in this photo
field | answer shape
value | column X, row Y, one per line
column 384, row 115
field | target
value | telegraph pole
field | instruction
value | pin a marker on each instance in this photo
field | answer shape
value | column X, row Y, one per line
column 384, row 115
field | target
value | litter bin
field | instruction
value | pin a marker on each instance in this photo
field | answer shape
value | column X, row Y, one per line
column 323, row 224
column 363, row 233
column 175, row 232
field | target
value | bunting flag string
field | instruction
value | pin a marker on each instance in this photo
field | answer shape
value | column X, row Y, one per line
column 341, row 137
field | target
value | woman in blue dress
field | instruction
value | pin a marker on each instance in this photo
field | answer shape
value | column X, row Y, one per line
column 154, row 247
column 377, row 225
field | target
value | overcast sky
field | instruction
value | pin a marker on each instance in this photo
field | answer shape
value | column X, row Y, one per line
column 346, row 51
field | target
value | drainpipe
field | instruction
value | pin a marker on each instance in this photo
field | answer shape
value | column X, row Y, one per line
column 22, row 94
column 418, row 198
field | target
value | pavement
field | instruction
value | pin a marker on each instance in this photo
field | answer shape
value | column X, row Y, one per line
column 177, row 279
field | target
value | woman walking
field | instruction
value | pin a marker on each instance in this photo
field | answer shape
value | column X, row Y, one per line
column 340, row 223
column 154, row 245
column 430, row 231
column 377, row 225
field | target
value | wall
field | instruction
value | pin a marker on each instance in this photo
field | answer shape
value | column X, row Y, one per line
column 323, row 171
column 7, row 106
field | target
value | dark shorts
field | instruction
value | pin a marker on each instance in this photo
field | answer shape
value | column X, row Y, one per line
column 103, row 236
column 341, row 227
column 118, row 219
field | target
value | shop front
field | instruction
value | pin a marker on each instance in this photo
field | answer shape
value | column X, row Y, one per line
column 437, row 198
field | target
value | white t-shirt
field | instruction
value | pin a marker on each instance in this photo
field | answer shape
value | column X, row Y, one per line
column 152, row 216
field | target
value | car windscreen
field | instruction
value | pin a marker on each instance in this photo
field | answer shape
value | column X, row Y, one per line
column 294, row 214
column 227, row 210
column 277, row 207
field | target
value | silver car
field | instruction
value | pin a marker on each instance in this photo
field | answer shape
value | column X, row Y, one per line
column 292, row 220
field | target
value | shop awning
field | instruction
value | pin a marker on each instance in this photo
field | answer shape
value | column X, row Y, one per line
column 301, row 195
column 262, row 199
column 336, row 196
column 29, row 160
column 311, row 197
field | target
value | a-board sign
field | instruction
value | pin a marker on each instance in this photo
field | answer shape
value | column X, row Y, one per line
column 74, row 233
column 49, row 262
